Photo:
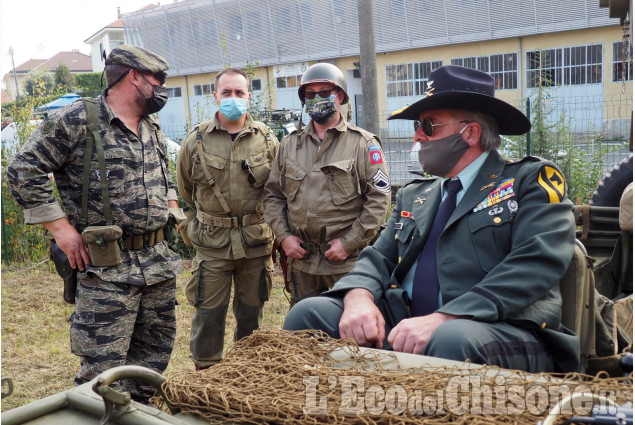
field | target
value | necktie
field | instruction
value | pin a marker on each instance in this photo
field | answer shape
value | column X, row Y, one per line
column 425, row 290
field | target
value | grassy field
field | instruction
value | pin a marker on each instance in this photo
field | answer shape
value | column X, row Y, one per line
column 35, row 332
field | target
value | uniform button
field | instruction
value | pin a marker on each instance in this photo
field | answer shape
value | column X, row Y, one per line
column 396, row 236
column 544, row 325
column 399, row 260
column 150, row 196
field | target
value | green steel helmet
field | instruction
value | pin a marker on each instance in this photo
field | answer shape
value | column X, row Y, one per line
column 323, row 73
column 138, row 58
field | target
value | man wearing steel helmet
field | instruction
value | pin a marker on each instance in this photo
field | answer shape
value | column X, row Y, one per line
column 328, row 191
column 469, row 264
column 108, row 156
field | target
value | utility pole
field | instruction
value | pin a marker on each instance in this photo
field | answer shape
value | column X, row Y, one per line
column 17, row 88
column 368, row 65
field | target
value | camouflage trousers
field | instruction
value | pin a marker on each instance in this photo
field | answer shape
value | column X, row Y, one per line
column 209, row 291
column 116, row 324
column 305, row 285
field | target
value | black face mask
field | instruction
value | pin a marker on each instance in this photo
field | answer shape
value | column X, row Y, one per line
column 158, row 99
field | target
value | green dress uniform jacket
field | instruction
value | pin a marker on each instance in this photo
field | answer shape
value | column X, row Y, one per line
column 497, row 260
column 323, row 190
column 241, row 233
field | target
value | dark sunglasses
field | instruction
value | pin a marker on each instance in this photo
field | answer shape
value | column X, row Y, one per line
column 428, row 128
column 246, row 167
column 323, row 93
column 159, row 76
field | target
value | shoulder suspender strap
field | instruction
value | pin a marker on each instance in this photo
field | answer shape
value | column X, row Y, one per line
column 208, row 176
column 94, row 138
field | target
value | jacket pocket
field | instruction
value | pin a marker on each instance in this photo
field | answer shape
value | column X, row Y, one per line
column 493, row 230
column 256, row 234
column 343, row 181
column 215, row 165
column 260, row 167
column 293, row 176
column 114, row 159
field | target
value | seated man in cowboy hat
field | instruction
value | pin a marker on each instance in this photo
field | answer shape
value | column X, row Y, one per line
column 470, row 257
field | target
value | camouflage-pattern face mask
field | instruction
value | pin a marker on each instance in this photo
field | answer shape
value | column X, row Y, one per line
column 321, row 109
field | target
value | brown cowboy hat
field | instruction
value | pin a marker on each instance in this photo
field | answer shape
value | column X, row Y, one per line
column 456, row 87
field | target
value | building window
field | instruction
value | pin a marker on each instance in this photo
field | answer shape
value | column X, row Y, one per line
column 408, row 79
column 288, row 82
column 254, row 25
column 569, row 66
column 622, row 68
column 203, row 89
column 174, row 92
column 236, row 26
column 256, row 84
column 305, row 14
column 283, row 20
column 503, row 67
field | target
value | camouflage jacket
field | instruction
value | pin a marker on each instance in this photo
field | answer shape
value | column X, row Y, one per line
column 138, row 184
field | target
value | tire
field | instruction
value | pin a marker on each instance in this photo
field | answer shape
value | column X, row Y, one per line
column 609, row 191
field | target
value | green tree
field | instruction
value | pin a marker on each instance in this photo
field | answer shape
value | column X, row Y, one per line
column 89, row 84
column 580, row 157
column 38, row 83
column 24, row 243
column 64, row 79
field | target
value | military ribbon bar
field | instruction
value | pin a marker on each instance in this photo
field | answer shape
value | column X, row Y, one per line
column 504, row 190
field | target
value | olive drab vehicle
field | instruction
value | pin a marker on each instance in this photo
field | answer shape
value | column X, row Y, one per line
column 598, row 284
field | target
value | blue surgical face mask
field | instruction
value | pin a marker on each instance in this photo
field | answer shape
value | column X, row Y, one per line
column 233, row 107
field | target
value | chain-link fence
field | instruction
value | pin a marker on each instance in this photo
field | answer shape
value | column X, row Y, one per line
column 586, row 136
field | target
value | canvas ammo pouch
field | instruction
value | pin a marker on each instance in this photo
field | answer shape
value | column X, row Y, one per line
column 103, row 244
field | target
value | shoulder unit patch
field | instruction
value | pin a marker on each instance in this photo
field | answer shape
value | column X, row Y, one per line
column 47, row 126
column 552, row 182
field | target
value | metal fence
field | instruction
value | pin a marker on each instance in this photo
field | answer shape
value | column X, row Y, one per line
column 592, row 122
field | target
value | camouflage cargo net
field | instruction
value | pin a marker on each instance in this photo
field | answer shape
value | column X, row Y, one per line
column 281, row 377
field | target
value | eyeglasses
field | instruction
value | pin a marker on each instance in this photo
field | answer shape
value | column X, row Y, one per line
column 246, row 167
column 323, row 93
column 428, row 128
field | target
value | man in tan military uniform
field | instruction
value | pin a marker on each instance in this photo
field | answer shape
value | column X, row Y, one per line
column 329, row 191
column 221, row 171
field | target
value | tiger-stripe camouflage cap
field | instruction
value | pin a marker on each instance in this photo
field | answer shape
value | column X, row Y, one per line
column 138, row 58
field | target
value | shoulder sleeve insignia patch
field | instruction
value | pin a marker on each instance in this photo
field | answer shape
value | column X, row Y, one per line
column 47, row 126
column 375, row 154
column 552, row 182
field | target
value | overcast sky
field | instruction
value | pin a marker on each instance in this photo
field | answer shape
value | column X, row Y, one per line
column 38, row 29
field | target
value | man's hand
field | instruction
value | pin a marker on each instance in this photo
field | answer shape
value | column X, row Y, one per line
column 412, row 335
column 291, row 246
column 69, row 241
column 362, row 320
column 336, row 252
